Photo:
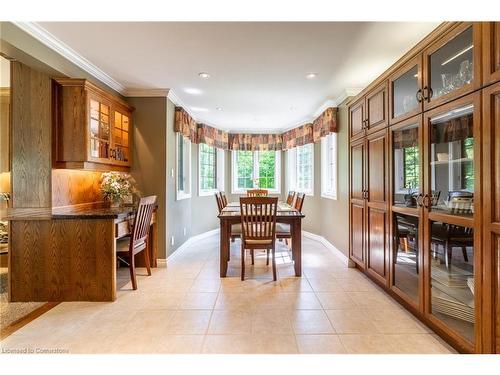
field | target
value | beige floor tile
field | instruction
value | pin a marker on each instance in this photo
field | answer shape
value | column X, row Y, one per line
column 326, row 284
column 301, row 301
column 417, row 344
column 320, row 344
column 206, row 285
column 228, row 344
column 274, row 344
column 367, row 344
column 189, row 322
column 336, row 300
column 275, row 321
column 357, row 285
column 234, row 301
column 179, row 344
column 310, row 322
column 232, row 322
column 393, row 321
column 295, row 284
column 351, row 321
column 373, row 300
column 198, row 301
column 161, row 300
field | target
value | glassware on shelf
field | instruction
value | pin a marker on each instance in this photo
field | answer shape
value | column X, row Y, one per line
column 465, row 72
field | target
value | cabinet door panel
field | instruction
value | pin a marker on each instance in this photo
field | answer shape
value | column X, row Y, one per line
column 356, row 117
column 357, row 170
column 357, row 233
column 491, row 52
column 496, row 244
column 377, row 242
column 376, row 168
column 376, row 108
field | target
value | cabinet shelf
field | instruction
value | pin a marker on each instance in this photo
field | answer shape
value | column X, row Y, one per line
column 452, row 161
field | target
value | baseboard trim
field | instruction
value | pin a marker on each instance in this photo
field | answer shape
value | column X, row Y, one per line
column 339, row 254
column 189, row 241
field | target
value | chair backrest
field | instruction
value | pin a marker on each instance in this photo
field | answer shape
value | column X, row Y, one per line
column 258, row 217
column 223, row 199
column 219, row 202
column 290, row 198
column 257, row 193
column 299, row 201
column 142, row 220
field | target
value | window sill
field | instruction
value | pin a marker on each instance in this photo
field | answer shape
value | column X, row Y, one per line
column 329, row 196
column 244, row 192
column 207, row 193
column 181, row 196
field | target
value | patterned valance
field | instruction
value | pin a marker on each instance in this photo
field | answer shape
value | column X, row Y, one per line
column 325, row 124
column 213, row 137
column 405, row 138
column 298, row 136
column 456, row 129
column 255, row 142
column 185, row 125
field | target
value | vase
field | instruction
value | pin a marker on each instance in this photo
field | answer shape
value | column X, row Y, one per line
column 114, row 203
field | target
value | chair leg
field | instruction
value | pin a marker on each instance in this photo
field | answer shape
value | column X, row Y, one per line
column 146, row 260
column 274, row 265
column 132, row 272
column 253, row 256
column 242, row 262
column 267, row 257
column 464, row 252
column 447, row 254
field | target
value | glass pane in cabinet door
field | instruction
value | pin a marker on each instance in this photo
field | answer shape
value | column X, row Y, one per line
column 406, row 269
column 118, row 120
column 94, row 148
column 452, row 162
column 452, row 277
column 125, row 123
column 452, row 65
column 94, row 109
column 94, row 127
column 404, row 92
column 406, row 156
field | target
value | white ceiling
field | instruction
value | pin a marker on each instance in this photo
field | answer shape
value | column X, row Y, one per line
column 257, row 70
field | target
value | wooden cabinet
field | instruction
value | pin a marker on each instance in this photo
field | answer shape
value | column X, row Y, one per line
column 491, row 55
column 92, row 127
column 4, row 129
column 491, row 214
column 357, row 119
column 452, row 65
column 357, row 202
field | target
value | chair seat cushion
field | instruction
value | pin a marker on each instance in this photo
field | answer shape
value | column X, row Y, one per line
column 282, row 228
column 259, row 242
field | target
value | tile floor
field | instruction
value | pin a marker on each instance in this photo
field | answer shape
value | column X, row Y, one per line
column 187, row 308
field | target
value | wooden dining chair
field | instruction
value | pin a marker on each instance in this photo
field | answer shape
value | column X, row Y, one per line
column 290, row 198
column 235, row 228
column 219, row 201
column 138, row 240
column 258, row 224
column 257, row 193
column 223, row 199
column 283, row 230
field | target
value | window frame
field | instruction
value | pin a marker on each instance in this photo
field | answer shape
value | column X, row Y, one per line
column 255, row 172
column 329, row 192
column 292, row 170
column 219, row 172
column 185, row 193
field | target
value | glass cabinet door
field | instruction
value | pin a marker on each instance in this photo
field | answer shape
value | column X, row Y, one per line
column 452, row 162
column 406, row 209
column 99, row 130
column 405, row 91
column 121, row 137
column 450, row 66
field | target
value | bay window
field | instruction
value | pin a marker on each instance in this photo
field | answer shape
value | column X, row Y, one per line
column 183, row 166
column 256, row 169
column 210, row 169
column 300, row 169
column 329, row 166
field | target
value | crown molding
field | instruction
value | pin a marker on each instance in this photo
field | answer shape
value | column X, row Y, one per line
column 147, row 93
column 42, row 35
column 345, row 94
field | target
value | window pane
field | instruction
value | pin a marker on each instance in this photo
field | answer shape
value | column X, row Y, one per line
column 208, row 167
column 244, row 169
column 267, row 163
column 180, row 163
column 304, row 167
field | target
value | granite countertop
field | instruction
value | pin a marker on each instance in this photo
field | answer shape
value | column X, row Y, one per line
column 98, row 211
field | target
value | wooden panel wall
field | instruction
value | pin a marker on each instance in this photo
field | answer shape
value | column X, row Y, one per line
column 31, row 137
column 56, row 260
column 4, row 128
column 70, row 187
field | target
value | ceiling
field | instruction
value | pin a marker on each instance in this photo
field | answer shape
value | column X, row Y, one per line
column 257, row 70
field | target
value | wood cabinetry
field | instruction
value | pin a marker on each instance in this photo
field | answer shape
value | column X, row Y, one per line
column 425, row 193
column 4, row 129
column 491, row 55
column 92, row 128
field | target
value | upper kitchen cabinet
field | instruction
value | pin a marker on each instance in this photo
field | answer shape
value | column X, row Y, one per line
column 452, row 65
column 491, row 55
column 92, row 128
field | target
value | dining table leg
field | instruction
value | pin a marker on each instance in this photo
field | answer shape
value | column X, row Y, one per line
column 296, row 229
column 224, row 247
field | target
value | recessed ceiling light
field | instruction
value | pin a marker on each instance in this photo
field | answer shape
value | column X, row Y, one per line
column 219, row 108
column 198, row 109
column 193, row 91
column 204, row 75
column 311, row 75
column 293, row 108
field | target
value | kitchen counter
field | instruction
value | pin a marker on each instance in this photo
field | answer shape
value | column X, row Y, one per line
column 98, row 211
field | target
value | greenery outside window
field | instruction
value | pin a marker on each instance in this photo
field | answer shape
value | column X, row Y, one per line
column 255, row 169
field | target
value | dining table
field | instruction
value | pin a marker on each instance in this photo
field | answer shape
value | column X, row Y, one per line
column 231, row 214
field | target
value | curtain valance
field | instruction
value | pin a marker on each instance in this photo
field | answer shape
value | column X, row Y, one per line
column 405, row 138
column 456, row 129
column 255, row 142
column 325, row 124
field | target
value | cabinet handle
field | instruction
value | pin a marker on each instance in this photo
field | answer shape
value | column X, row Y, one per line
column 427, row 93
column 419, row 95
column 419, row 200
column 425, row 201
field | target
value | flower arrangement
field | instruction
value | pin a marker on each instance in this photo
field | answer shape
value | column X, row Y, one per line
column 116, row 186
